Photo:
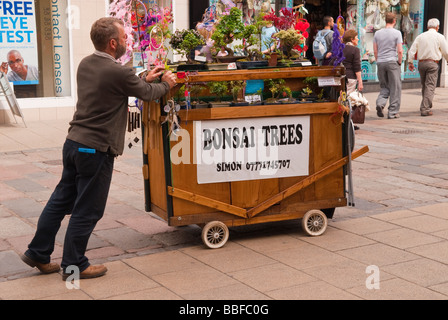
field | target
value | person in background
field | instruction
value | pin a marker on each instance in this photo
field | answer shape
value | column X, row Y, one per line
column 328, row 32
column 430, row 47
column 388, row 50
column 352, row 61
column 95, row 138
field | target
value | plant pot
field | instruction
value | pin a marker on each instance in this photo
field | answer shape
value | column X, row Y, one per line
column 191, row 67
column 251, row 64
column 217, row 66
column 230, row 59
column 199, row 105
column 239, row 104
column 273, row 59
column 220, row 104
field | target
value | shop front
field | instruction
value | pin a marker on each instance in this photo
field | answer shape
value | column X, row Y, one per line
column 41, row 44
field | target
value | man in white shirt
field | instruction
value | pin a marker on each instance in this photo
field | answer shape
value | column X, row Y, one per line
column 428, row 48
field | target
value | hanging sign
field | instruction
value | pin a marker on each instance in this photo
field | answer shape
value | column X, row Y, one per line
column 262, row 148
column 18, row 42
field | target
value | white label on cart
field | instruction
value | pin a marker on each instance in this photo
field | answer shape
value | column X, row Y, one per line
column 252, row 149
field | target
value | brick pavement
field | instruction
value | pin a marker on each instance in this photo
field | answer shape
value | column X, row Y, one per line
column 399, row 224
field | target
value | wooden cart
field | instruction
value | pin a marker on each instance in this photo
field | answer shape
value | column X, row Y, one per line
column 172, row 190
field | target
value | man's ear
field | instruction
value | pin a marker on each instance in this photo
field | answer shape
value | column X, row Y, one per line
column 113, row 44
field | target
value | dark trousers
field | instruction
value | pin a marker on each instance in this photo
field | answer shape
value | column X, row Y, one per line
column 81, row 192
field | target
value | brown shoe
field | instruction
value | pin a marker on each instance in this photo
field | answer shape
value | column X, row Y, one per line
column 425, row 114
column 89, row 273
column 45, row 268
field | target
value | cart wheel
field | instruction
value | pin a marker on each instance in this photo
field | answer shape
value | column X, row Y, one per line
column 215, row 234
column 314, row 223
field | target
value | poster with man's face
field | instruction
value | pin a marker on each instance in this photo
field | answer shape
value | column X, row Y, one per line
column 18, row 42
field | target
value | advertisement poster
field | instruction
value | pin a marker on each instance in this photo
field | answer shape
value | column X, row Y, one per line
column 18, row 42
column 264, row 148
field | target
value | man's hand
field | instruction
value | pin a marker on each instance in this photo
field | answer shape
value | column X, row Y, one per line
column 4, row 67
column 411, row 67
column 170, row 77
column 154, row 73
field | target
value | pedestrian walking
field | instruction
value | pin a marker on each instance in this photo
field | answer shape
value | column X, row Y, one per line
column 322, row 45
column 352, row 61
column 428, row 48
column 95, row 137
column 388, row 50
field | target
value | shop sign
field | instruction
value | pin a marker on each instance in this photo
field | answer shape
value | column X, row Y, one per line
column 252, row 149
column 18, row 35
column 61, row 54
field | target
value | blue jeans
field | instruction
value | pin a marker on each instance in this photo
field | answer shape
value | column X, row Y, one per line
column 81, row 192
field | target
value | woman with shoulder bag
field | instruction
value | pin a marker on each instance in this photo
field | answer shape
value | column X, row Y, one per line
column 352, row 62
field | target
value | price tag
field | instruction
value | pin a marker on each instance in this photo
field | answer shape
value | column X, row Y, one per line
column 328, row 81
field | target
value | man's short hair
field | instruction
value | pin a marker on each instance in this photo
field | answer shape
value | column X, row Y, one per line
column 390, row 17
column 103, row 30
column 433, row 23
column 326, row 21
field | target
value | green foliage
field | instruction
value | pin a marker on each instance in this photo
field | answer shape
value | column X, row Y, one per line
column 183, row 41
column 218, row 88
column 289, row 39
column 230, row 27
column 236, row 87
column 278, row 88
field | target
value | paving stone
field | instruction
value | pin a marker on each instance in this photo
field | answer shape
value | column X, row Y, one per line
column 126, row 238
column 10, row 263
column 423, row 223
column 434, row 272
column 25, row 185
column 397, row 289
column 14, row 227
column 25, row 207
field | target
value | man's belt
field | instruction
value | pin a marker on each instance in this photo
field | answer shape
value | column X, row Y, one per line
column 436, row 61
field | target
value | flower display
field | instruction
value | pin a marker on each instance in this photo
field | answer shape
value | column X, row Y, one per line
column 146, row 28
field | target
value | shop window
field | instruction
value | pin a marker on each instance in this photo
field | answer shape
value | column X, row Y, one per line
column 368, row 17
column 34, row 47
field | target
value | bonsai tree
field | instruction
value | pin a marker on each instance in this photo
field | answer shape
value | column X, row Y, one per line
column 251, row 36
column 195, row 90
column 251, row 42
column 236, row 87
column 218, row 88
column 184, row 41
column 228, row 29
column 278, row 89
column 289, row 39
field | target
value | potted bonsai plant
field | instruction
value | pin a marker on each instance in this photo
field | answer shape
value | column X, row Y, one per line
column 218, row 89
column 288, row 40
column 185, row 42
column 194, row 91
column 280, row 93
column 228, row 29
column 237, row 89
